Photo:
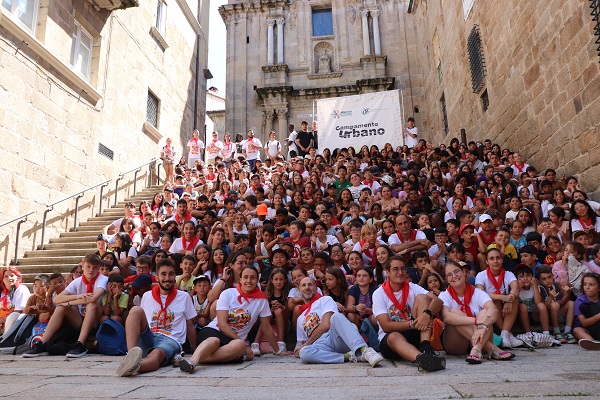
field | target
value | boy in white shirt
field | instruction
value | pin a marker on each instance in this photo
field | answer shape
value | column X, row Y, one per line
column 78, row 305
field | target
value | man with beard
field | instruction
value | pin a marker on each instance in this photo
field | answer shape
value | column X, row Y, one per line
column 325, row 336
column 157, row 329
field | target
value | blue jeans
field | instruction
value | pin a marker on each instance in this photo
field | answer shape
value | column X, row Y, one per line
column 149, row 341
column 252, row 164
column 342, row 337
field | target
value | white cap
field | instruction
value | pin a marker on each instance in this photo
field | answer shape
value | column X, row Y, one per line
column 484, row 217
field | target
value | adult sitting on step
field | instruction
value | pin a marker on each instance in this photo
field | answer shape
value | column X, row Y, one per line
column 325, row 336
column 113, row 227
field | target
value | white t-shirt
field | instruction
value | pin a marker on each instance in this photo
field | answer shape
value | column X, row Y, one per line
column 395, row 239
column 177, row 246
column 241, row 316
column 382, row 304
column 295, row 292
column 476, row 304
column 365, row 257
column 482, row 279
column 307, row 324
column 213, row 148
column 78, row 287
column 174, row 219
column 410, row 141
column 137, row 222
column 292, row 142
column 576, row 225
column 355, row 190
column 374, row 186
column 18, row 300
column 194, row 147
column 252, row 148
column 329, row 239
column 178, row 312
column 272, row 147
column 227, row 151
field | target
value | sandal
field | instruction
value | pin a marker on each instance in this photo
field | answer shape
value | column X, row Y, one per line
column 474, row 358
column 502, row 356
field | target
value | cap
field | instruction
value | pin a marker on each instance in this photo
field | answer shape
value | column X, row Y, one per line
column 374, row 170
column 232, row 192
column 485, row 217
column 171, row 203
column 465, row 226
column 168, row 189
column 102, row 237
column 201, row 278
column 436, row 189
column 262, row 209
column 141, row 280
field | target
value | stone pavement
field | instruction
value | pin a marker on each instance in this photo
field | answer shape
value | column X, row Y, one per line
column 565, row 372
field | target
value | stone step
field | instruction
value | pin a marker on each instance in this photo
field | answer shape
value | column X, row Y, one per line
column 50, row 260
column 46, row 269
column 91, row 236
column 59, row 253
column 90, row 228
column 71, row 245
column 74, row 239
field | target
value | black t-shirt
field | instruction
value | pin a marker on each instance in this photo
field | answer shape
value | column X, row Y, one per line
column 304, row 138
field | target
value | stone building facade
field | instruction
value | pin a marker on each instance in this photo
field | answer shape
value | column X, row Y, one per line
column 90, row 89
column 540, row 91
column 282, row 55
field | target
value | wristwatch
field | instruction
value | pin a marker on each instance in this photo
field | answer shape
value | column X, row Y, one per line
column 427, row 311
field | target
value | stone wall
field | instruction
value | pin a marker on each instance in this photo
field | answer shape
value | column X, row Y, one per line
column 542, row 78
column 51, row 130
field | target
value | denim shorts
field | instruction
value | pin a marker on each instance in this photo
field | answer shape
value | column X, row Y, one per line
column 149, row 341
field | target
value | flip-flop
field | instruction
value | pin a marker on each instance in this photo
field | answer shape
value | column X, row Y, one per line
column 474, row 358
column 499, row 356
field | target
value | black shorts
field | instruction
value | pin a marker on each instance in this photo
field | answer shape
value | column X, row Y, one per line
column 206, row 333
column 412, row 336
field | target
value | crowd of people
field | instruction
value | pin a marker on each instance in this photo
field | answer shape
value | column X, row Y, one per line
column 357, row 254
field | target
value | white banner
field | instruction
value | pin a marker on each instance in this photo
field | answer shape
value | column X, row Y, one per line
column 371, row 119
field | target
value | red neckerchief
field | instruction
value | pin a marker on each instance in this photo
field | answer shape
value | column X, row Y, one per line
column 131, row 234
column 370, row 185
column 191, row 245
column 305, row 308
column 387, row 288
column 371, row 253
column 89, row 286
column 464, row 305
column 583, row 224
column 496, row 282
column 413, row 236
column 187, row 217
column 211, row 177
column 161, row 318
column 519, row 169
column 255, row 294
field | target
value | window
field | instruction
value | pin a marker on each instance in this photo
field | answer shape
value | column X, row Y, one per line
column 81, row 51
column 476, row 60
column 152, row 109
column 485, row 100
column 444, row 113
column 24, row 10
column 161, row 17
column 322, row 22
column 595, row 6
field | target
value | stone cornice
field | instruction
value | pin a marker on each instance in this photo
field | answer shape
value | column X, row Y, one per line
column 325, row 76
column 229, row 10
column 276, row 68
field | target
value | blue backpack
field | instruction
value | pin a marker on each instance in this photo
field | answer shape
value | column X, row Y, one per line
column 111, row 338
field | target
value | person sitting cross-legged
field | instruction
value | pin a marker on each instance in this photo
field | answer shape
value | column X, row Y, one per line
column 325, row 336
column 157, row 329
column 405, row 313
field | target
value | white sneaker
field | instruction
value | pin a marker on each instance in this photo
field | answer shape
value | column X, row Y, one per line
column 255, row 347
column 131, row 363
column 514, row 341
column 371, row 356
column 281, row 347
column 352, row 358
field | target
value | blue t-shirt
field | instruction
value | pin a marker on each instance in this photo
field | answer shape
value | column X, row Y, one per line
column 582, row 300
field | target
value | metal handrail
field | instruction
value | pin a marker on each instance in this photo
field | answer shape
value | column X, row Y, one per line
column 136, row 170
column 21, row 219
column 78, row 195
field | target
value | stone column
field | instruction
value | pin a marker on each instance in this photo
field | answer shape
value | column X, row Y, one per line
column 376, row 38
column 268, row 118
column 282, row 125
column 270, row 47
column 365, row 31
column 280, row 22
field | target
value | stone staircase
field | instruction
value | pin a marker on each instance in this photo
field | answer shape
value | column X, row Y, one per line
column 63, row 253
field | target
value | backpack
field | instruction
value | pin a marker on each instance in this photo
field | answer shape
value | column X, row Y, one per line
column 18, row 334
column 111, row 338
column 536, row 340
